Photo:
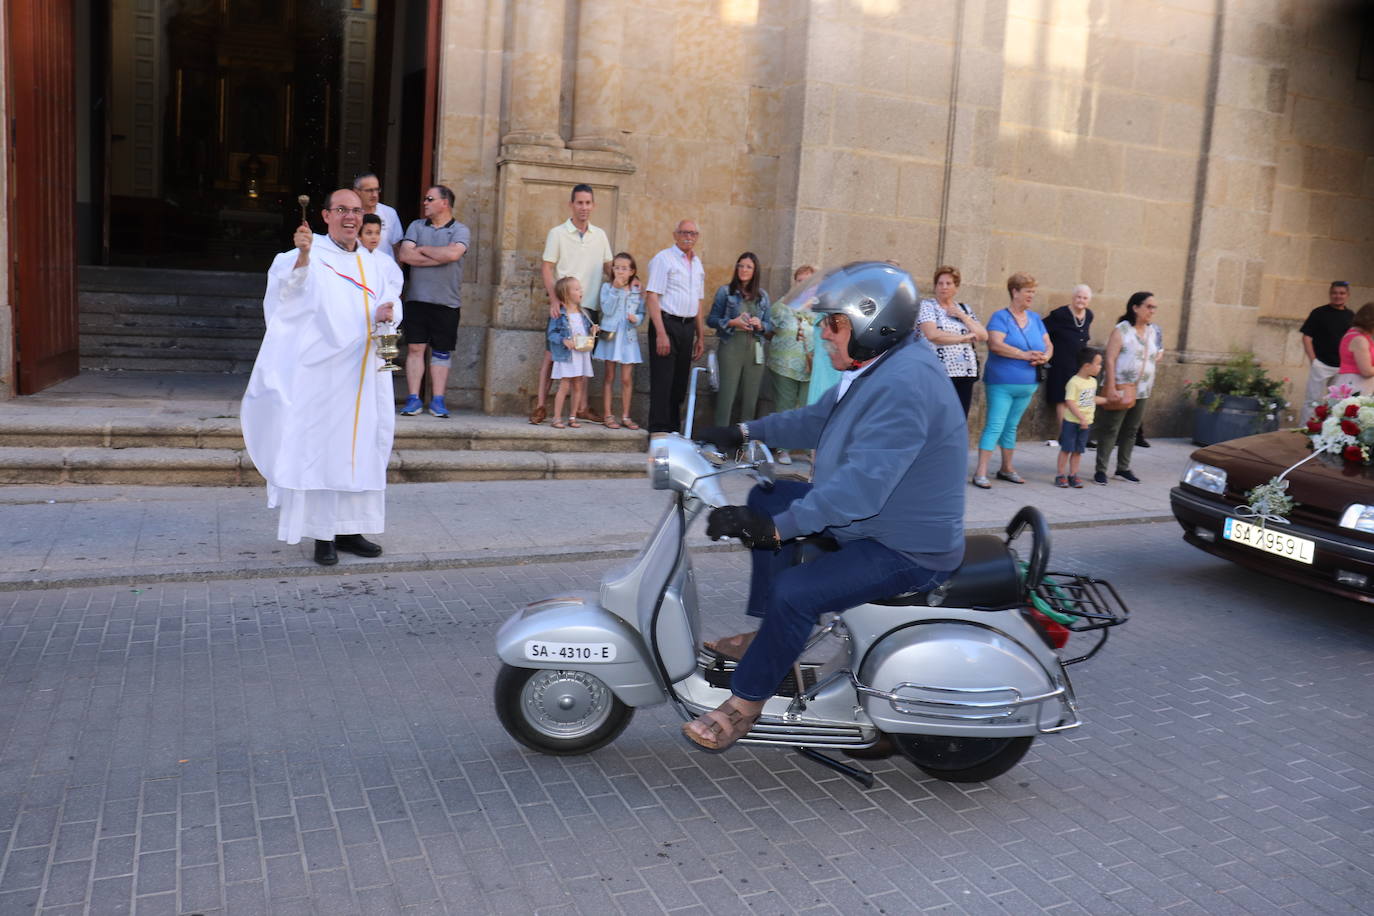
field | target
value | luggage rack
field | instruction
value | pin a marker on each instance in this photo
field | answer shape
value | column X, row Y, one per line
column 1080, row 604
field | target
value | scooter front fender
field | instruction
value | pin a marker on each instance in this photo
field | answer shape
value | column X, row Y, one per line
column 576, row 619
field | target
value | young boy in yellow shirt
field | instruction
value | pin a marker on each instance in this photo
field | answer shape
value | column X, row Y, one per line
column 1080, row 404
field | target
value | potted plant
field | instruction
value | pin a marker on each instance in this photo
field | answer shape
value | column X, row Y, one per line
column 1237, row 398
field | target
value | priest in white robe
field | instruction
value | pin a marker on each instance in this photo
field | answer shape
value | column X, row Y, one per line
column 318, row 417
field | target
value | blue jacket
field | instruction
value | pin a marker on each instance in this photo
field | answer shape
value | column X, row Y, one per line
column 560, row 330
column 726, row 306
column 890, row 459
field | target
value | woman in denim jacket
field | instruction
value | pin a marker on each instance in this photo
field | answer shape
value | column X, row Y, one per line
column 740, row 316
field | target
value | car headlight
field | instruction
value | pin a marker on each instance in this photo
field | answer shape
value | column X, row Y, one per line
column 1205, row 477
column 1358, row 516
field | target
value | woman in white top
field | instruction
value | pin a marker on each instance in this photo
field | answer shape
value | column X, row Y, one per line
column 1133, row 352
column 951, row 328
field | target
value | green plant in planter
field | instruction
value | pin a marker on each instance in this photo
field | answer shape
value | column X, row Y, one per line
column 1243, row 377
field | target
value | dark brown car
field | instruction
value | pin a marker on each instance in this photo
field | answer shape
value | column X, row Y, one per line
column 1329, row 542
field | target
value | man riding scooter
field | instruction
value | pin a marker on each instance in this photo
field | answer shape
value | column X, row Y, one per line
column 891, row 447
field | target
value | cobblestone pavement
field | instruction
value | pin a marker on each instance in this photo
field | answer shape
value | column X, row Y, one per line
column 328, row 746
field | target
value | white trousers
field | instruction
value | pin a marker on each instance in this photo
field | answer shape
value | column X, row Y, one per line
column 322, row 514
column 1319, row 378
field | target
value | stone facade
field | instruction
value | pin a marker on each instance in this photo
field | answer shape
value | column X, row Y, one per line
column 1220, row 154
column 1217, row 152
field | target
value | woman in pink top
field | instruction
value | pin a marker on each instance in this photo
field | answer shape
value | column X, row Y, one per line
column 1357, row 352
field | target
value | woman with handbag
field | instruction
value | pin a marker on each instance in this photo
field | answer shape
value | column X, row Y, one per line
column 1133, row 351
column 952, row 328
column 1018, row 348
column 740, row 315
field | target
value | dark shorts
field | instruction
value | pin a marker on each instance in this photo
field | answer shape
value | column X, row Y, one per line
column 1072, row 437
column 430, row 323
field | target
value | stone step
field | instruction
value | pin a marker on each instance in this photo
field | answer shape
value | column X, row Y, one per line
column 92, row 430
column 216, row 364
column 142, row 281
column 231, row 467
column 169, row 325
column 170, row 306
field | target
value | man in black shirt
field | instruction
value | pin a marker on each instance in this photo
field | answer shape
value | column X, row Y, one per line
column 1321, row 335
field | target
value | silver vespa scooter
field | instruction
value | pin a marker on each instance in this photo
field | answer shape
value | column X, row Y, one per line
column 960, row 680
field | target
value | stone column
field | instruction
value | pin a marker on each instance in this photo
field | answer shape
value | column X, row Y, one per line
column 536, row 75
column 596, row 96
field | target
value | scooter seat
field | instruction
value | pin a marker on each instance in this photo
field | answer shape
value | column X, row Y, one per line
column 988, row 580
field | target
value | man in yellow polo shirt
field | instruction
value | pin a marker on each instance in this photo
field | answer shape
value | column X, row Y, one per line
column 578, row 249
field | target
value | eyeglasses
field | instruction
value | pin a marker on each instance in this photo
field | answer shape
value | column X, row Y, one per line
column 430, row 200
column 347, row 211
column 688, row 232
column 836, row 322
column 369, row 190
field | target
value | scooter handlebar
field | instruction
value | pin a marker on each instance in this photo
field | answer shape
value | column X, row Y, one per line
column 1040, row 541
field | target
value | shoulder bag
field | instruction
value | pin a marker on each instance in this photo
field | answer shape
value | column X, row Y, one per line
column 1124, row 400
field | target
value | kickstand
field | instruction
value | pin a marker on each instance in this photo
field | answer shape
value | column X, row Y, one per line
column 858, row 774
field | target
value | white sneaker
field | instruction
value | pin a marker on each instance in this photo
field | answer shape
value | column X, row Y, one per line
column 783, row 457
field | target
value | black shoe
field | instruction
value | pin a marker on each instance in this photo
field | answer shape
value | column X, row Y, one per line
column 1092, row 443
column 1140, row 441
column 1127, row 475
column 325, row 554
column 1100, row 478
column 358, row 545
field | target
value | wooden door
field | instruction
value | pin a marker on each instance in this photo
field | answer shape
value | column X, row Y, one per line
column 42, row 198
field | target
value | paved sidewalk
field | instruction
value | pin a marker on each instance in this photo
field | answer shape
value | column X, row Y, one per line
column 57, row 536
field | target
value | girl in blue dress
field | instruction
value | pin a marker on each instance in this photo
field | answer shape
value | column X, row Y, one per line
column 622, row 309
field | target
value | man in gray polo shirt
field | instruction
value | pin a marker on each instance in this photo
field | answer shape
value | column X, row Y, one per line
column 434, row 249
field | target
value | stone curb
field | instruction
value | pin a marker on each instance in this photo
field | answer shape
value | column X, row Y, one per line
column 10, row 582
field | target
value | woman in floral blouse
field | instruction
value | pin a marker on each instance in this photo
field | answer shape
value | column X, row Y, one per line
column 951, row 328
column 789, row 354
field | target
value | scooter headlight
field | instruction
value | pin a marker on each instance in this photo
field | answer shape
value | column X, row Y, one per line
column 1358, row 516
column 660, row 474
column 1205, row 477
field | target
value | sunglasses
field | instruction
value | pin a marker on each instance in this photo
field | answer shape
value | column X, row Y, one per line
column 836, row 322
column 430, row 200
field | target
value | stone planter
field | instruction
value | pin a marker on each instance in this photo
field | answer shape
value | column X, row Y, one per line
column 1233, row 418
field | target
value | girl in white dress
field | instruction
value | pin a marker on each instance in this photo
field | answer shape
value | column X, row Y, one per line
column 622, row 309
column 572, row 364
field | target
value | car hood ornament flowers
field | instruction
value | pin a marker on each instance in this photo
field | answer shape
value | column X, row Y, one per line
column 1344, row 425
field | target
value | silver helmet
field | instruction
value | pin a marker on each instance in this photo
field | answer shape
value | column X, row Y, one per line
column 879, row 299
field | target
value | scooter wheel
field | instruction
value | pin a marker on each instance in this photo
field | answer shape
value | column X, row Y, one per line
column 954, row 758
column 558, row 712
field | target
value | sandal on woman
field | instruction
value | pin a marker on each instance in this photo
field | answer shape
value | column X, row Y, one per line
column 732, row 647
column 628, row 423
column 559, row 424
column 721, row 727
column 610, row 422
column 572, row 421
column 538, row 415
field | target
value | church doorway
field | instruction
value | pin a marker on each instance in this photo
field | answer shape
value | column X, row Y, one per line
column 206, row 119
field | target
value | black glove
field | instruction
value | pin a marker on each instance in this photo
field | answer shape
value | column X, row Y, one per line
column 727, row 438
column 754, row 529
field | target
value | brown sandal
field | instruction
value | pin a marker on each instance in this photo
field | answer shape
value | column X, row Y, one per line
column 720, row 728
column 572, row 421
column 732, row 647
column 559, row 424
column 610, row 422
column 538, row 415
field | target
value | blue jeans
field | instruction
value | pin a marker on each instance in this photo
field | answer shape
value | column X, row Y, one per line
column 1006, row 404
column 790, row 597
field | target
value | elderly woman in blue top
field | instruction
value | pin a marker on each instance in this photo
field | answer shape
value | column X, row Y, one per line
column 891, row 445
column 740, row 316
column 1017, row 344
